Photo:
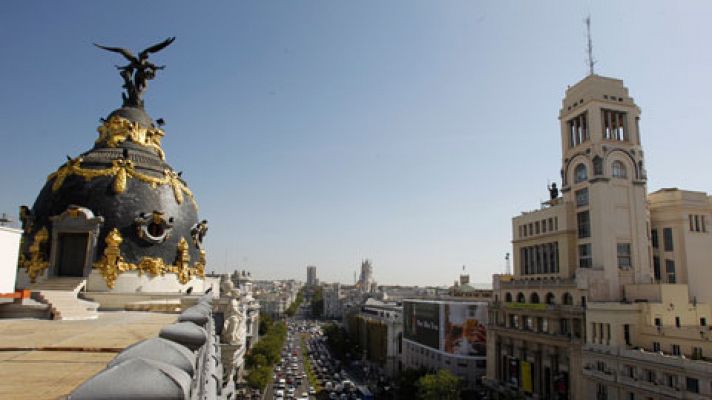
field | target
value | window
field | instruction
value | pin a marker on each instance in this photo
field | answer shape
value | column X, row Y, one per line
column 624, row 255
column 564, row 328
column 697, row 353
column 582, row 197
column 654, row 238
column 667, row 239
column 675, row 349
column 703, row 321
column 629, row 371
column 550, row 298
column 585, row 259
column 677, row 322
column 583, row 220
column 534, row 298
column 658, row 322
column 693, row 385
column 601, row 392
column 670, row 271
column 650, row 375
column 521, row 298
column 508, row 298
column 580, row 173
column 567, row 299
column 578, row 130
column 656, row 267
column 614, row 125
column 626, row 334
column 656, row 347
column 618, row 170
column 536, row 227
column 670, row 380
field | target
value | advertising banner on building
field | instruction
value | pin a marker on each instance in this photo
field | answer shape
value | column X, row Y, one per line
column 422, row 322
column 464, row 329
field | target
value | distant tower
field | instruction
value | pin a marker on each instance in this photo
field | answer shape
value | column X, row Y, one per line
column 507, row 265
column 311, row 275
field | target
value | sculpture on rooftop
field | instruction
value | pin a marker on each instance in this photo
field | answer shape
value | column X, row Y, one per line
column 138, row 72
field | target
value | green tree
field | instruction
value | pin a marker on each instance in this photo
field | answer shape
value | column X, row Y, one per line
column 265, row 324
column 442, row 385
column 406, row 382
column 259, row 377
column 317, row 303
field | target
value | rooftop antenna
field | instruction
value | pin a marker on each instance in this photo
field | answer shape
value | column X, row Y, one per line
column 590, row 61
column 508, row 266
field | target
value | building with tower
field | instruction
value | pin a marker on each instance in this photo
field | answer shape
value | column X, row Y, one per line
column 366, row 283
column 590, row 276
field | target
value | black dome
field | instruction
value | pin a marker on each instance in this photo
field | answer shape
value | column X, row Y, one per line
column 125, row 180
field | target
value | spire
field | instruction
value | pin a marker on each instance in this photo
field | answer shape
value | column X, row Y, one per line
column 589, row 49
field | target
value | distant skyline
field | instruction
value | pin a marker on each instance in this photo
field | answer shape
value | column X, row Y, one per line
column 324, row 133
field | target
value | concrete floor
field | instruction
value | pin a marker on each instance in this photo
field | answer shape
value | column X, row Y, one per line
column 45, row 359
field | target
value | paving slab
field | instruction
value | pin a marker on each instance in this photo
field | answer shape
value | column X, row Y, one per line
column 46, row 359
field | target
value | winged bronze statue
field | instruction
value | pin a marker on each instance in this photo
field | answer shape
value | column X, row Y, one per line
column 138, row 71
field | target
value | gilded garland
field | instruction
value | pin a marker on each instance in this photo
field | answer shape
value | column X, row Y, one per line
column 112, row 263
column 121, row 170
column 117, row 130
column 36, row 264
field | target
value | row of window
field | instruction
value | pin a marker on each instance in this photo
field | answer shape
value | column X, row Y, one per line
column 541, row 324
column 540, row 259
column 614, row 127
column 538, row 227
column 697, row 223
column 618, row 170
column 566, row 298
column 669, row 380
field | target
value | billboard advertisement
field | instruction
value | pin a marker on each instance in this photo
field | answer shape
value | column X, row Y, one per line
column 422, row 322
column 464, row 329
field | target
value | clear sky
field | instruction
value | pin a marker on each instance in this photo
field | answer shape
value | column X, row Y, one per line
column 324, row 132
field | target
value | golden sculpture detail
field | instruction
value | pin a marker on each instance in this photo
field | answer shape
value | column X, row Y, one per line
column 121, row 170
column 36, row 264
column 117, row 130
column 112, row 263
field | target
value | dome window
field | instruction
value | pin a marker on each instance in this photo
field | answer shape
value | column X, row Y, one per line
column 153, row 228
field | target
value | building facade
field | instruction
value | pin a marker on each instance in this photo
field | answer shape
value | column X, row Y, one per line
column 378, row 328
column 596, row 274
column 447, row 333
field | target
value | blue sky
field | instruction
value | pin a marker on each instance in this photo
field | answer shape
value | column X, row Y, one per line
column 408, row 132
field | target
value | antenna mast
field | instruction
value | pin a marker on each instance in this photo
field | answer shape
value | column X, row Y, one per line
column 589, row 49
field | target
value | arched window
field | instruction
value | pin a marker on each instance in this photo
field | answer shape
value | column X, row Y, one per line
column 580, row 173
column 567, row 299
column 521, row 298
column 550, row 298
column 618, row 170
column 508, row 298
column 534, row 298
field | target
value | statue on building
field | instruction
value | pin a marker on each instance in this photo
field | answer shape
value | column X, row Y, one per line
column 138, row 72
column 227, row 288
column 233, row 332
column 553, row 191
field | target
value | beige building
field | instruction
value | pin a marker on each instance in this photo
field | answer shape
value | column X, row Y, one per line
column 603, row 271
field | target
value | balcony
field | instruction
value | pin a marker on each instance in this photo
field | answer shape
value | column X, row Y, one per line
column 607, row 375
